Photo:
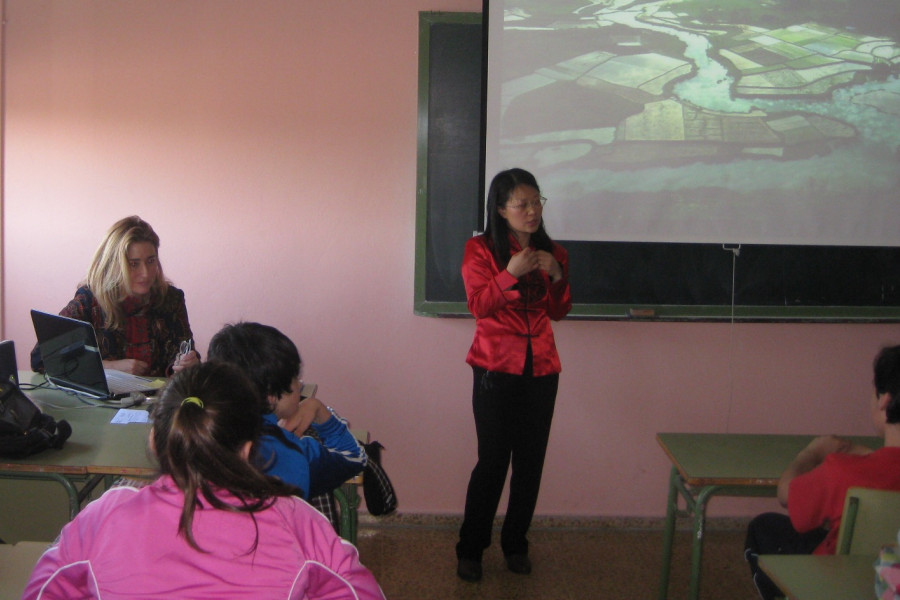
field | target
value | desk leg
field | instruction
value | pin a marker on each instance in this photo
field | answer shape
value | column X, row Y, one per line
column 669, row 534
column 71, row 490
column 348, row 499
column 699, row 511
column 89, row 487
column 696, row 507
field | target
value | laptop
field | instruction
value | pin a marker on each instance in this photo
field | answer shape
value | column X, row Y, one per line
column 9, row 370
column 72, row 360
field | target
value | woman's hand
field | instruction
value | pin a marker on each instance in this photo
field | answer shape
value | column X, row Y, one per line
column 128, row 365
column 523, row 262
column 547, row 263
column 183, row 361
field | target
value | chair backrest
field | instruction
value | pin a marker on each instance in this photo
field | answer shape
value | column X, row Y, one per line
column 871, row 519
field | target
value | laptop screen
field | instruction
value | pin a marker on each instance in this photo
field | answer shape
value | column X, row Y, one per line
column 70, row 354
column 8, row 369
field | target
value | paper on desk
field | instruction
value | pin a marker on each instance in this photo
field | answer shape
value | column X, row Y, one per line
column 130, row 415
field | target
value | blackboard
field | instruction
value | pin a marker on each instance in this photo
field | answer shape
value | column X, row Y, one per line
column 612, row 280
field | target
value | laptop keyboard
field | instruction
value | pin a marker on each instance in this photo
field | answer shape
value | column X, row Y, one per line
column 120, row 382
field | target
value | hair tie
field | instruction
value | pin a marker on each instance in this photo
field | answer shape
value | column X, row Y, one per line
column 192, row 400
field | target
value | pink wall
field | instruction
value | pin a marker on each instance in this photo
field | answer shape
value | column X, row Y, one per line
column 272, row 144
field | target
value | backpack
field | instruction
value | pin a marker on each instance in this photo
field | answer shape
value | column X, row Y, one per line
column 24, row 429
column 377, row 488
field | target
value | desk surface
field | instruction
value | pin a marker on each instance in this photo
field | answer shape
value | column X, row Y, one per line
column 737, row 459
column 95, row 447
column 826, row 577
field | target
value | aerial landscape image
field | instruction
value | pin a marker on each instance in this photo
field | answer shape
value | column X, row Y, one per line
column 749, row 121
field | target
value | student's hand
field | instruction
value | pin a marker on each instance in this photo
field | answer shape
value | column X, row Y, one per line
column 808, row 459
column 183, row 361
column 310, row 410
column 128, row 365
column 550, row 265
column 833, row 443
column 824, row 445
column 523, row 262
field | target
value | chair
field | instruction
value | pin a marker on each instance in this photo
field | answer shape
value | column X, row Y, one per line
column 16, row 563
column 347, row 497
column 871, row 519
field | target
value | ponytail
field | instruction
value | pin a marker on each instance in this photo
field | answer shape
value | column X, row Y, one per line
column 203, row 419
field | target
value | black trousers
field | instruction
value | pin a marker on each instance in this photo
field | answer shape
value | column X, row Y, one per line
column 772, row 533
column 512, row 421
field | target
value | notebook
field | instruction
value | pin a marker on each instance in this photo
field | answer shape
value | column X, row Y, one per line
column 9, row 371
column 72, row 360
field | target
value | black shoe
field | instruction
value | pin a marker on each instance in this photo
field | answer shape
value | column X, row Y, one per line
column 469, row 570
column 519, row 563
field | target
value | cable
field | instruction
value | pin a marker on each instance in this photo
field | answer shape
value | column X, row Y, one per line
column 735, row 252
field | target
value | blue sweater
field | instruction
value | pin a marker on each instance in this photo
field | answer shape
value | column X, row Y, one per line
column 303, row 461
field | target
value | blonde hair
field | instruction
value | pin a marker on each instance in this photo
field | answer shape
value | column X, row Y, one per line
column 109, row 275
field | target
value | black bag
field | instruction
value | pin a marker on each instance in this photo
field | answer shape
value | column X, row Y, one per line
column 24, row 429
column 377, row 488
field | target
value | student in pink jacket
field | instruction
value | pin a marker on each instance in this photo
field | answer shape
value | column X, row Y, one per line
column 212, row 526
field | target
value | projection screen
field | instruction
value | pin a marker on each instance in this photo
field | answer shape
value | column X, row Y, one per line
column 726, row 121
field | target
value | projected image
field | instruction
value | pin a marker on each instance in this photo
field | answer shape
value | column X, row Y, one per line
column 748, row 121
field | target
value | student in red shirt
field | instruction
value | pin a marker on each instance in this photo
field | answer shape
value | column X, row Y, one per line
column 516, row 281
column 814, row 485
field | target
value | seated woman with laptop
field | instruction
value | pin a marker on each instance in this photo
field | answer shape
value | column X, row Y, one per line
column 140, row 319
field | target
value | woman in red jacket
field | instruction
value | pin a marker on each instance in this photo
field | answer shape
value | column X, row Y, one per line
column 516, row 281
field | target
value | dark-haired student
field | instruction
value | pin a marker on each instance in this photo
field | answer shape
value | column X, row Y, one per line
column 316, row 464
column 211, row 526
column 815, row 484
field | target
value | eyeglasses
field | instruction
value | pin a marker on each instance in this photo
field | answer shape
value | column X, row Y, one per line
column 532, row 204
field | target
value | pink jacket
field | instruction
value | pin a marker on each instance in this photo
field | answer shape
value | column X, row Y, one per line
column 125, row 545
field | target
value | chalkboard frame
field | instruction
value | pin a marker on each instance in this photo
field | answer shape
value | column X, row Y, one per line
column 432, row 198
column 693, row 282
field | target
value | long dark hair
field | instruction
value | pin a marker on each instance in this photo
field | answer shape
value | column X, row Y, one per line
column 497, row 228
column 204, row 417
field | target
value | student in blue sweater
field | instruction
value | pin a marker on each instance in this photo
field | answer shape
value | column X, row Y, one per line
column 304, row 442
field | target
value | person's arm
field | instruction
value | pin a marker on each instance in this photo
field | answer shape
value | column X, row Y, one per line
column 64, row 569
column 333, row 570
column 560, row 295
column 55, row 577
column 337, row 458
column 811, row 457
column 486, row 291
column 177, row 330
column 310, row 411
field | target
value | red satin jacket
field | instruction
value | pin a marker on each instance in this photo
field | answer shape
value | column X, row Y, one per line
column 505, row 318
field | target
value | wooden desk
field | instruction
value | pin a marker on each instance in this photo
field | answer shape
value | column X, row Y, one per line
column 829, row 577
column 99, row 451
column 96, row 449
column 708, row 464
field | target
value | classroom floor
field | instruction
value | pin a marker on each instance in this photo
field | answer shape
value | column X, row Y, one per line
column 415, row 562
